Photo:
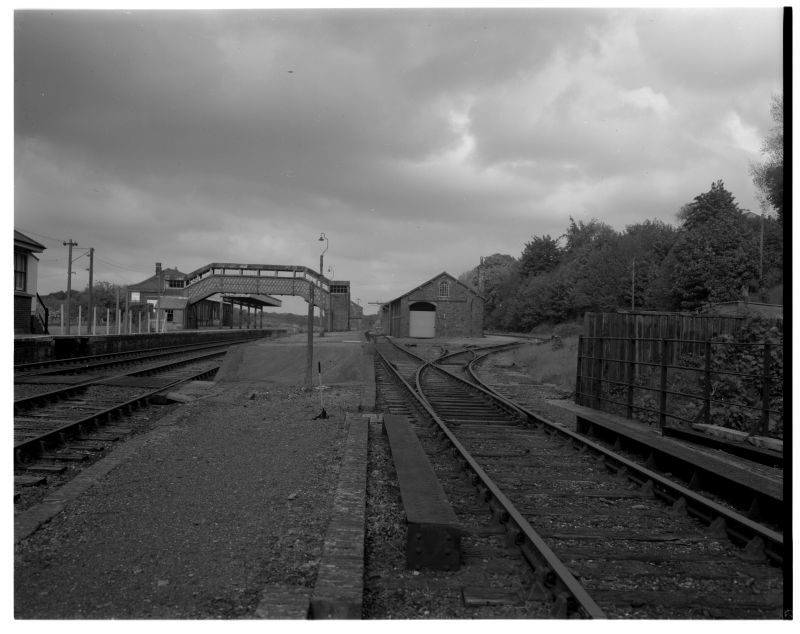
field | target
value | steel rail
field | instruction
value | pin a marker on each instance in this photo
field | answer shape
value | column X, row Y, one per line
column 39, row 443
column 739, row 528
column 27, row 402
column 110, row 359
column 570, row 596
column 544, row 561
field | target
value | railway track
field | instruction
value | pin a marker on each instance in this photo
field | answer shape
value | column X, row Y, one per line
column 100, row 364
column 604, row 536
column 750, row 488
column 70, row 420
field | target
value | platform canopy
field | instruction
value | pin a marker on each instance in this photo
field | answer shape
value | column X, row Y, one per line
column 172, row 302
column 252, row 301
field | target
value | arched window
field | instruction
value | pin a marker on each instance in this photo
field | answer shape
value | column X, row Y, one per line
column 444, row 288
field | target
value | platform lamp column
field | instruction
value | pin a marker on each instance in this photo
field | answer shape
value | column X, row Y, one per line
column 331, row 276
column 310, row 335
column 322, row 237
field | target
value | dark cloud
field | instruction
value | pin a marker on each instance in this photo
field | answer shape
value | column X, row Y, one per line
column 418, row 140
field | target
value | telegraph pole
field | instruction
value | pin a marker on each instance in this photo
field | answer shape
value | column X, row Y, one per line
column 70, row 244
column 91, row 283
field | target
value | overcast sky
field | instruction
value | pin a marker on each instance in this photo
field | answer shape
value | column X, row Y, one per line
column 416, row 140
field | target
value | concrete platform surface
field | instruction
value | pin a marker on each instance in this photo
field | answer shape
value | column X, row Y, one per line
column 283, row 361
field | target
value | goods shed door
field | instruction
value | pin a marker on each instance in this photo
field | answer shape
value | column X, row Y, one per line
column 422, row 320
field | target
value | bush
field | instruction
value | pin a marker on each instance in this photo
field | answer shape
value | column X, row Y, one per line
column 568, row 330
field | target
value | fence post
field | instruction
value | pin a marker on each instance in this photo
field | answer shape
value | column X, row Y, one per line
column 629, row 374
column 765, row 390
column 662, row 406
column 578, row 372
column 707, row 385
column 597, row 374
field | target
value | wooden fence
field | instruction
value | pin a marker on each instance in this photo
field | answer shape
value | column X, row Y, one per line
column 658, row 367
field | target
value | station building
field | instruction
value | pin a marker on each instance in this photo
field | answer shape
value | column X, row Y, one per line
column 440, row 307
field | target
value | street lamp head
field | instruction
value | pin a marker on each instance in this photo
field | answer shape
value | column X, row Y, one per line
column 322, row 237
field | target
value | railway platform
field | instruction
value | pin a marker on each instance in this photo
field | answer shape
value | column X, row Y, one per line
column 238, row 504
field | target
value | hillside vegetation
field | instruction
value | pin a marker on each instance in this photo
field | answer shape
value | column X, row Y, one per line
column 719, row 252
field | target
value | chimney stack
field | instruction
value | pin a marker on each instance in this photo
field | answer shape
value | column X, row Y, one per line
column 158, row 268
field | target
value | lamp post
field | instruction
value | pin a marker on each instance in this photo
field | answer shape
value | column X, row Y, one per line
column 322, row 237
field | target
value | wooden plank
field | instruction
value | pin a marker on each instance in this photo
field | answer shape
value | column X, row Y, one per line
column 46, row 468
column 769, row 600
column 29, row 481
column 475, row 596
column 590, row 534
column 433, row 534
column 64, row 456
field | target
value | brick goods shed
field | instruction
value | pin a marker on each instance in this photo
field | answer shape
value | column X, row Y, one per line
column 441, row 307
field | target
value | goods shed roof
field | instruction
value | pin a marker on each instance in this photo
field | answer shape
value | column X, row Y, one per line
column 433, row 279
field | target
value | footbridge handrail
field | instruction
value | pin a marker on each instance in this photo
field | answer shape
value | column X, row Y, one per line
column 282, row 279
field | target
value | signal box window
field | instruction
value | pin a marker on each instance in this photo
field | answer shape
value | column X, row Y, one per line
column 20, row 272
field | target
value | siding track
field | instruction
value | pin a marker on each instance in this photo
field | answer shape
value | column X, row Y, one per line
column 605, row 536
column 45, row 420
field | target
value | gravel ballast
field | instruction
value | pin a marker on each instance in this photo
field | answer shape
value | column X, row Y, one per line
column 228, row 496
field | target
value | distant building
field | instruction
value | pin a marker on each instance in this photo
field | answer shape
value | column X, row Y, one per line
column 356, row 316
column 341, row 311
column 441, row 307
column 30, row 314
column 164, row 296
column 161, row 293
column 165, row 282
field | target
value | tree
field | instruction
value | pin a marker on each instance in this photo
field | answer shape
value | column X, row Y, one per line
column 581, row 236
column 497, row 279
column 643, row 247
column 540, row 255
column 768, row 174
column 716, row 255
column 708, row 206
column 544, row 299
column 104, row 295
